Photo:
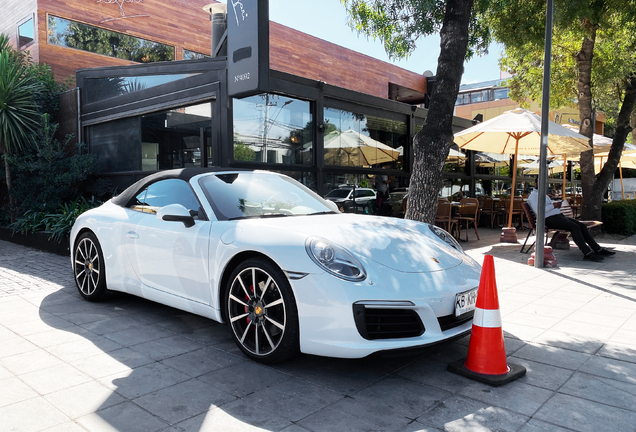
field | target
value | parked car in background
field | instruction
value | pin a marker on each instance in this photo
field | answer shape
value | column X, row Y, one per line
column 396, row 200
column 343, row 197
column 275, row 262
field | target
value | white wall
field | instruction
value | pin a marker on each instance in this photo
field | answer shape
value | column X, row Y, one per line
column 629, row 186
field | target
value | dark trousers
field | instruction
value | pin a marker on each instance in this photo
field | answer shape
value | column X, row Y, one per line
column 580, row 234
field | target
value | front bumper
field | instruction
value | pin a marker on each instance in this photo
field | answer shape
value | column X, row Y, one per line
column 327, row 308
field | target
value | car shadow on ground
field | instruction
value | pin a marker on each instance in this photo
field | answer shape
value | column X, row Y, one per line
column 155, row 367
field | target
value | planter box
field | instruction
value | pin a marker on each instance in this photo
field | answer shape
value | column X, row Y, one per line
column 38, row 240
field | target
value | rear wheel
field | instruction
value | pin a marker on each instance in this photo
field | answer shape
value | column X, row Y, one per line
column 262, row 312
column 88, row 267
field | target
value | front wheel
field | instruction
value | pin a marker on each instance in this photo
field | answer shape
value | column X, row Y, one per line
column 262, row 312
column 88, row 267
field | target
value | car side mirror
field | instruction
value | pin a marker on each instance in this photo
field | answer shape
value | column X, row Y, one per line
column 176, row 213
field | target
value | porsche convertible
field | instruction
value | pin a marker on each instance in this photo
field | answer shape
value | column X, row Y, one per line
column 277, row 263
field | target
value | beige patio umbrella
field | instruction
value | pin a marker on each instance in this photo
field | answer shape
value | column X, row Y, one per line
column 532, row 168
column 519, row 132
column 357, row 149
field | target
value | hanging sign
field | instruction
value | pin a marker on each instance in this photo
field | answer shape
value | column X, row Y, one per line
column 247, row 47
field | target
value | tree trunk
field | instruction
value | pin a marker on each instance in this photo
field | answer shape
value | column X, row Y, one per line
column 632, row 123
column 7, row 170
column 623, row 128
column 591, row 203
column 432, row 143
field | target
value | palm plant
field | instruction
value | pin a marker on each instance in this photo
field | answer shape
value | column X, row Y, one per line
column 19, row 116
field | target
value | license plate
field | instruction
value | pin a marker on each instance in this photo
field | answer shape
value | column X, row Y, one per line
column 465, row 302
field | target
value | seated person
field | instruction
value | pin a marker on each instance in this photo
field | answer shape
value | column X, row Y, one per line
column 554, row 219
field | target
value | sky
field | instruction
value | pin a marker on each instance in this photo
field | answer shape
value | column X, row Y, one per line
column 327, row 20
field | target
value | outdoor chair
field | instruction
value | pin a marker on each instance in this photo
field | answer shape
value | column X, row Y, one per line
column 517, row 211
column 468, row 212
column 487, row 207
column 443, row 216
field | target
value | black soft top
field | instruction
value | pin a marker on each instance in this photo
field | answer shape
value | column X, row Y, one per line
column 183, row 174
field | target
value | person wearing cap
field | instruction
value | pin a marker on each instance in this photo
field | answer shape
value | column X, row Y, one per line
column 554, row 219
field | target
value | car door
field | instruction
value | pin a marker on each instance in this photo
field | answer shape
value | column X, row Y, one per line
column 167, row 255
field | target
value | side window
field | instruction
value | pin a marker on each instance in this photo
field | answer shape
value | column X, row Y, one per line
column 165, row 192
column 26, row 32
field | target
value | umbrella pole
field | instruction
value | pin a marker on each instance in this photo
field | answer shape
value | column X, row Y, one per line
column 509, row 234
column 565, row 163
column 514, row 184
column 620, row 170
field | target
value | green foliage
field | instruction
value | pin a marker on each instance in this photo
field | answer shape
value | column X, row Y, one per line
column 19, row 111
column 399, row 23
column 619, row 217
column 93, row 39
column 520, row 26
column 46, row 176
column 243, row 153
column 57, row 224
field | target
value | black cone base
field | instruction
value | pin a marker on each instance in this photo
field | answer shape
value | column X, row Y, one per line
column 516, row 371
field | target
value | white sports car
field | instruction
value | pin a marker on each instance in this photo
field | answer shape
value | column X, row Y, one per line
column 281, row 266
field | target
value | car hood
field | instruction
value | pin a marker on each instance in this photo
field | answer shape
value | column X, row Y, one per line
column 403, row 245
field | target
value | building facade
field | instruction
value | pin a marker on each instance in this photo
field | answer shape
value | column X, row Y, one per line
column 149, row 96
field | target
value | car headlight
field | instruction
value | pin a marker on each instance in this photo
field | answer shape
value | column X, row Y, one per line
column 446, row 237
column 335, row 259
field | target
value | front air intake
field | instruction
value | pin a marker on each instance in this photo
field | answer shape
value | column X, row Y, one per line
column 386, row 323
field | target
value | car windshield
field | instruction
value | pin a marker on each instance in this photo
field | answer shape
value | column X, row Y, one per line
column 338, row 193
column 254, row 195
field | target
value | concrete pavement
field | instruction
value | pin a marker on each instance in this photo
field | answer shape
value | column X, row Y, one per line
column 127, row 364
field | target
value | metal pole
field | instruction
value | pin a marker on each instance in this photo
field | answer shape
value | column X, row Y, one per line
column 543, row 155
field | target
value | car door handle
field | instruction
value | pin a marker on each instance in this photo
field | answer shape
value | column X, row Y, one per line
column 132, row 235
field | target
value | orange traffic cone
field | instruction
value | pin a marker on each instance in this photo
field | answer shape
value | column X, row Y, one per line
column 486, row 361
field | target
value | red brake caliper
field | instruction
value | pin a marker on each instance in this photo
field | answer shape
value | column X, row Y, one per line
column 247, row 299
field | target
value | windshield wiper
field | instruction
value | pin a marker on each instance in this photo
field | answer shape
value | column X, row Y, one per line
column 322, row 213
column 275, row 215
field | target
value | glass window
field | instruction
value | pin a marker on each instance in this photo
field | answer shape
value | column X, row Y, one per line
column 305, row 178
column 501, row 93
column 273, row 129
column 84, row 37
column 117, row 143
column 167, row 139
column 26, row 32
column 454, row 189
column 165, row 192
column 492, row 163
column 476, row 97
column 360, row 140
column 191, row 55
column 254, row 194
column 97, row 89
column 455, row 161
column 338, row 180
column 173, row 138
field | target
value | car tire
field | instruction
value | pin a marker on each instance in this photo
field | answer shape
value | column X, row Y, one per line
column 263, row 321
column 88, row 267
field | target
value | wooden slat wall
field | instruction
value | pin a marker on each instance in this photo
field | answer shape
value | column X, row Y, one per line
column 184, row 24
column 300, row 54
column 179, row 23
column 65, row 61
column 176, row 22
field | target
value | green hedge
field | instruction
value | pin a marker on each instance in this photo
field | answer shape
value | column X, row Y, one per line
column 619, row 217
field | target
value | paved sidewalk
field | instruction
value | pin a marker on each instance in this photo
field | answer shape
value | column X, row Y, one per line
column 126, row 364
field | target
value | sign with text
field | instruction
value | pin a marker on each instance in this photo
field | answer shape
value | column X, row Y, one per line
column 247, row 47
